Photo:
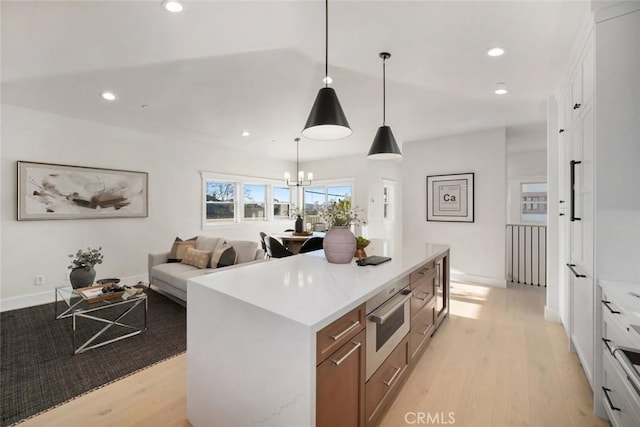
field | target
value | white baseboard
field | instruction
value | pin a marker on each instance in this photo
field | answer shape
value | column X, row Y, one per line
column 48, row 296
column 552, row 315
column 478, row 280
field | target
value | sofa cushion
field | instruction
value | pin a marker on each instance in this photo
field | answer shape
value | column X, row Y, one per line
column 224, row 256
column 245, row 249
column 196, row 258
column 208, row 243
column 167, row 272
column 179, row 247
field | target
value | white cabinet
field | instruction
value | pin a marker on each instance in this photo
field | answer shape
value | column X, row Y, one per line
column 598, row 115
column 579, row 170
column 581, row 84
column 620, row 393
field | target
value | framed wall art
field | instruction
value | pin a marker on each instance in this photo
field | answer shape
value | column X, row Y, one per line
column 51, row 191
column 450, row 198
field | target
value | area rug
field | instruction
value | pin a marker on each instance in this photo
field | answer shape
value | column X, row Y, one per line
column 39, row 371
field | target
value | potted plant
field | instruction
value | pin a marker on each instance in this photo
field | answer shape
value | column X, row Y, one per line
column 361, row 243
column 339, row 242
column 82, row 271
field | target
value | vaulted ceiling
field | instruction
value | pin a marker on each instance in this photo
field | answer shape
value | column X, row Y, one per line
column 221, row 67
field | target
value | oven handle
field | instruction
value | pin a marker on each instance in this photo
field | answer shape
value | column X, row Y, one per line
column 404, row 296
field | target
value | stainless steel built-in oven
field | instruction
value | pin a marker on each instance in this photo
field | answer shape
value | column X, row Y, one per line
column 388, row 317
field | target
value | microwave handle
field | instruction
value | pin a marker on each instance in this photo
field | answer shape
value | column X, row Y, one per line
column 381, row 318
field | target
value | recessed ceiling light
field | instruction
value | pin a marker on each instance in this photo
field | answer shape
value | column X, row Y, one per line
column 172, row 5
column 245, row 133
column 495, row 51
column 501, row 89
column 109, row 96
column 327, row 80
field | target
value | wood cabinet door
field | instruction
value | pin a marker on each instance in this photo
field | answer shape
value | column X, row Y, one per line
column 340, row 386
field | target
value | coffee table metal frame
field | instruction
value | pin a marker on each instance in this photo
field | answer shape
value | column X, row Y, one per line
column 81, row 308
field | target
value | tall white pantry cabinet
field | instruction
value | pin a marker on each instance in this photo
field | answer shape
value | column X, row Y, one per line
column 598, row 110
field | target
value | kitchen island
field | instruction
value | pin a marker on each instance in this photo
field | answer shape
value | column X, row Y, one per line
column 253, row 333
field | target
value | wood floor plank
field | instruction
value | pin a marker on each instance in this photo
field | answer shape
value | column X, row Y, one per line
column 494, row 362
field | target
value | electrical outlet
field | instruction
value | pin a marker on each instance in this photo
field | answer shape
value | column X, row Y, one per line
column 39, row 280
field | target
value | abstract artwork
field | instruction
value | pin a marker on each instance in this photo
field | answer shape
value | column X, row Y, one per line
column 450, row 198
column 50, row 191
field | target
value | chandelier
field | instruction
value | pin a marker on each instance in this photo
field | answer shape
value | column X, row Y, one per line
column 299, row 182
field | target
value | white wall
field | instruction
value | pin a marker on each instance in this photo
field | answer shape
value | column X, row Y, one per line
column 554, row 309
column 526, row 163
column 477, row 249
column 32, row 248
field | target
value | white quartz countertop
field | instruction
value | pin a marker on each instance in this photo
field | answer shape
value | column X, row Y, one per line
column 311, row 291
column 627, row 294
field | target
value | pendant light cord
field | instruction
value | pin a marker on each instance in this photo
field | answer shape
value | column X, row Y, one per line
column 297, row 161
column 384, row 90
column 326, row 43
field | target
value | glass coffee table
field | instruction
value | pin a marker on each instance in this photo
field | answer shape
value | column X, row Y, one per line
column 75, row 306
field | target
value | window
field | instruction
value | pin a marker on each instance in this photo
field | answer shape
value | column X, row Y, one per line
column 220, row 201
column 316, row 199
column 281, row 203
column 387, row 200
column 255, row 200
column 533, row 204
column 234, row 199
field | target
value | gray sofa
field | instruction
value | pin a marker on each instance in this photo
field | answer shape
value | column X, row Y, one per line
column 171, row 277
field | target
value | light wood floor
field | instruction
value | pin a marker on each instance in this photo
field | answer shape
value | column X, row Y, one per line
column 495, row 362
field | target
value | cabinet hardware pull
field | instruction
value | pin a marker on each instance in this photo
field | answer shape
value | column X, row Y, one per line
column 561, row 130
column 606, row 343
column 606, row 395
column 561, row 214
column 573, row 270
column 393, row 377
column 356, row 345
column 561, row 201
column 606, row 304
column 404, row 296
column 573, row 164
column 425, row 271
column 426, row 330
column 426, row 294
column 576, row 106
column 354, row 325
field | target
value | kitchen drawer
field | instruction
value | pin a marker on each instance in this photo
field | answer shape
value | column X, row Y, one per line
column 422, row 295
column 422, row 326
column 425, row 273
column 620, row 318
column 617, row 400
column 384, row 385
column 333, row 336
column 613, row 330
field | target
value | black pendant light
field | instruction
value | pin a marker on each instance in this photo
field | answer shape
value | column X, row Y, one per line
column 326, row 120
column 384, row 146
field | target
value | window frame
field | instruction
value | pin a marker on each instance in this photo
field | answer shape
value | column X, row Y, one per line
column 338, row 182
column 239, row 182
column 390, row 186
